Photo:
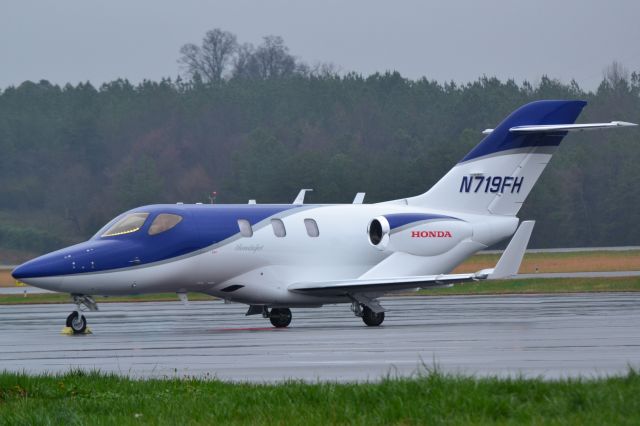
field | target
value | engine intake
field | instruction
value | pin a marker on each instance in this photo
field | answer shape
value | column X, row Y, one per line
column 378, row 231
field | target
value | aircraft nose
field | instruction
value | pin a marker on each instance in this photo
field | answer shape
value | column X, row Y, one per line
column 22, row 271
column 39, row 273
column 37, row 268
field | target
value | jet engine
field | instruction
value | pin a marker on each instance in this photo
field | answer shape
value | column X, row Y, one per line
column 417, row 234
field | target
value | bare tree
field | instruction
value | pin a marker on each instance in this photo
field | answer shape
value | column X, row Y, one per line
column 324, row 69
column 273, row 58
column 245, row 64
column 212, row 59
column 616, row 75
column 269, row 60
column 220, row 51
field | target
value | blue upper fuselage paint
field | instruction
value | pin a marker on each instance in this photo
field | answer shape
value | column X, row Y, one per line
column 534, row 113
column 201, row 226
column 397, row 220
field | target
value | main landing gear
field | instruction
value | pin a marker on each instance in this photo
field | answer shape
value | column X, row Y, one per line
column 368, row 315
column 76, row 321
column 279, row 317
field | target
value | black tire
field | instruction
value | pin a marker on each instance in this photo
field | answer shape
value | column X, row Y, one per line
column 77, row 322
column 280, row 317
column 371, row 318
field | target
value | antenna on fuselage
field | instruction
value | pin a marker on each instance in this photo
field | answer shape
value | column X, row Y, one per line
column 300, row 198
column 359, row 198
column 212, row 197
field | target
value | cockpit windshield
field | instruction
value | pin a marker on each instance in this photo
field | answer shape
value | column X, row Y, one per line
column 163, row 222
column 127, row 225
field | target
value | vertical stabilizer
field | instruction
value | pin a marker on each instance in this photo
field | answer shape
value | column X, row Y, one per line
column 498, row 174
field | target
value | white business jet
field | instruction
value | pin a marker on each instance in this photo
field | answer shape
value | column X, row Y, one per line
column 277, row 257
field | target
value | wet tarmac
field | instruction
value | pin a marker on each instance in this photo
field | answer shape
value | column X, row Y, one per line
column 551, row 336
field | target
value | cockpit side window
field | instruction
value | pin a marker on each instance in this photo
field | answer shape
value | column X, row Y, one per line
column 127, row 225
column 163, row 222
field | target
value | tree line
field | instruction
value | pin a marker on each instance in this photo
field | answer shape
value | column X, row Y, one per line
column 74, row 156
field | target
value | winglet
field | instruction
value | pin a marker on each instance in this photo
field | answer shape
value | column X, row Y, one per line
column 511, row 259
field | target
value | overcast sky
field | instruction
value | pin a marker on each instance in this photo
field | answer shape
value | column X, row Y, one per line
column 78, row 40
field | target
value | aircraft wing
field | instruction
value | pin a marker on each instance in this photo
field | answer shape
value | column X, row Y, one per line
column 507, row 266
column 381, row 285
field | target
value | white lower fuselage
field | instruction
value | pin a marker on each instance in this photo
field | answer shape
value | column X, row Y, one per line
column 264, row 265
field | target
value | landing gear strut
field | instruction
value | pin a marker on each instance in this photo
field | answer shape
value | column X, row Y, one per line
column 280, row 317
column 76, row 321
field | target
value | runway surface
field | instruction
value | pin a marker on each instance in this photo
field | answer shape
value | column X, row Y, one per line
column 553, row 336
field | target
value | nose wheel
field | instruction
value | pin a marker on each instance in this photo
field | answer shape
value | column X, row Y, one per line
column 77, row 322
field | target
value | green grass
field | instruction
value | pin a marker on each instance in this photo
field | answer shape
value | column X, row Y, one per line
column 568, row 255
column 528, row 286
column 432, row 398
column 539, row 285
column 584, row 261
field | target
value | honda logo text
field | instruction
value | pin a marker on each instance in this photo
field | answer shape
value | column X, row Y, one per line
column 430, row 234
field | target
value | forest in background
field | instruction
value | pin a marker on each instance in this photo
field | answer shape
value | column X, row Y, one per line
column 74, row 156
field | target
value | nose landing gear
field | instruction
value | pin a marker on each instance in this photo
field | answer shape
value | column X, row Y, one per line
column 76, row 322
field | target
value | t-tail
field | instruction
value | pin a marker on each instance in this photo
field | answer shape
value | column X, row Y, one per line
column 498, row 174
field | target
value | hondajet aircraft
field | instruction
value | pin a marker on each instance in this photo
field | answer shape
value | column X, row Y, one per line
column 275, row 257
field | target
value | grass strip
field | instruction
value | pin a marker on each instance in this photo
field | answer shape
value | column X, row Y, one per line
column 37, row 298
column 528, row 286
column 539, row 286
column 431, row 398
column 584, row 261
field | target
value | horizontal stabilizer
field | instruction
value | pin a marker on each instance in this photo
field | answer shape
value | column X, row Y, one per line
column 550, row 128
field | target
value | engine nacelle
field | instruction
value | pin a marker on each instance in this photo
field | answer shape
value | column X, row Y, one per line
column 417, row 234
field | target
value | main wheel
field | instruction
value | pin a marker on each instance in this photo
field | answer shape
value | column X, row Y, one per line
column 371, row 318
column 280, row 317
column 77, row 322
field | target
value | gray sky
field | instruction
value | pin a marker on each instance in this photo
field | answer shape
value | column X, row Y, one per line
column 78, row 40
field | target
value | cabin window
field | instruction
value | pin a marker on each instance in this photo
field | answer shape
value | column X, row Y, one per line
column 127, row 225
column 312, row 228
column 245, row 228
column 163, row 222
column 278, row 228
